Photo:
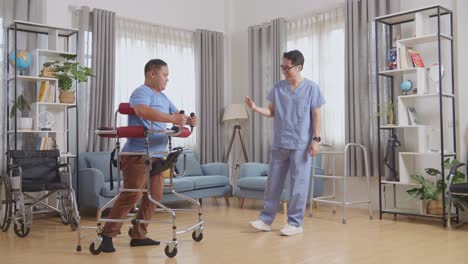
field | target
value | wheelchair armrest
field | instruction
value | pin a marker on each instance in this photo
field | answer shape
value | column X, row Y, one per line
column 64, row 165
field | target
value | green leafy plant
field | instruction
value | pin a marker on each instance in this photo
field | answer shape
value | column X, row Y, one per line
column 68, row 71
column 386, row 110
column 21, row 104
column 432, row 190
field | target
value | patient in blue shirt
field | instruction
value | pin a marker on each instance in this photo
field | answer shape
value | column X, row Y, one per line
column 152, row 108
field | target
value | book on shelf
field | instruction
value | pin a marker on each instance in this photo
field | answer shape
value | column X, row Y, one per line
column 416, row 58
column 45, row 143
column 404, row 57
column 47, row 92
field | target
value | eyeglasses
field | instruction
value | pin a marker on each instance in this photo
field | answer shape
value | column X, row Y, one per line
column 287, row 68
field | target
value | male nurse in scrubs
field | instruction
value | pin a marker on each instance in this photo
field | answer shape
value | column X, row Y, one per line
column 295, row 106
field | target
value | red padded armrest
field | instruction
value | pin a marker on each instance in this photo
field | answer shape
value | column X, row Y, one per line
column 126, row 109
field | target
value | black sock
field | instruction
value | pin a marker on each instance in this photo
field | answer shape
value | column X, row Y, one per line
column 143, row 242
column 107, row 245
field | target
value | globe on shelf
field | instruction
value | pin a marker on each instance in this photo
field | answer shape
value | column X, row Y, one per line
column 406, row 86
column 22, row 61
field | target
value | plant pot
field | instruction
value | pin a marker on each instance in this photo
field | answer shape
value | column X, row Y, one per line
column 67, row 97
column 435, row 207
column 25, row 123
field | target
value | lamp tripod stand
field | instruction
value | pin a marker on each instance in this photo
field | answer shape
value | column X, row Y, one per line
column 236, row 130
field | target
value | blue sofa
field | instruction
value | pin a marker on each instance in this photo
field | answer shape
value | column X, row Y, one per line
column 200, row 181
column 253, row 178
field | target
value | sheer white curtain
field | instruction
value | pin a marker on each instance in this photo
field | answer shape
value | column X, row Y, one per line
column 136, row 43
column 321, row 38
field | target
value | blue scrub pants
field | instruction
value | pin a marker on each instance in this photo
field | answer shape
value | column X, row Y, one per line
column 298, row 163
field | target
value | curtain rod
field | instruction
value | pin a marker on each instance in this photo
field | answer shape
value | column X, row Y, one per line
column 154, row 24
column 76, row 8
column 317, row 12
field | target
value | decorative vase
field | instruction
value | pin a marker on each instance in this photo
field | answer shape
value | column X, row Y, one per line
column 67, row 97
column 25, row 123
column 434, row 207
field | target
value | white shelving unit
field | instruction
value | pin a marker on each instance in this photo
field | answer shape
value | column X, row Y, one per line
column 52, row 42
column 425, row 119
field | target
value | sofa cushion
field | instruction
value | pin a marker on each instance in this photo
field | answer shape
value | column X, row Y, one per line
column 100, row 161
column 180, row 185
column 253, row 183
column 192, row 166
column 208, row 181
column 107, row 192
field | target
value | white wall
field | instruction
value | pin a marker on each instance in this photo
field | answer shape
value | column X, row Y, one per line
column 248, row 13
column 177, row 13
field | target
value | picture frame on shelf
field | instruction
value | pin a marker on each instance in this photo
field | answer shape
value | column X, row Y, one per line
column 413, row 118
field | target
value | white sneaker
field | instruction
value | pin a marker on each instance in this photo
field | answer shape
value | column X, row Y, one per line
column 290, row 230
column 260, row 225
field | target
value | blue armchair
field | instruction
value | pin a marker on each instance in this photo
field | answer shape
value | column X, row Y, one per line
column 253, row 178
column 200, row 181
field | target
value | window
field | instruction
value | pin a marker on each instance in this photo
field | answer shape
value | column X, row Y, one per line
column 321, row 38
column 138, row 42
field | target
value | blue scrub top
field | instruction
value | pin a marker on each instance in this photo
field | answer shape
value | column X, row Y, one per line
column 158, row 101
column 293, row 113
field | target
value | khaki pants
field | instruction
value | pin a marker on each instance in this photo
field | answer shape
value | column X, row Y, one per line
column 134, row 177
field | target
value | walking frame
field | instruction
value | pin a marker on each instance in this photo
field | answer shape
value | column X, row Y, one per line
column 170, row 158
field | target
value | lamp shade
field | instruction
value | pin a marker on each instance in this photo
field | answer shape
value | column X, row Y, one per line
column 235, row 112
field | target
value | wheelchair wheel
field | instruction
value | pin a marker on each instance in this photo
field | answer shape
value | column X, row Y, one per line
column 74, row 221
column 22, row 230
column 63, row 205
column 5, row 204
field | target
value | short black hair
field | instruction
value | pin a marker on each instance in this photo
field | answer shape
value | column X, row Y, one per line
column 295, row 56
column 154, row 64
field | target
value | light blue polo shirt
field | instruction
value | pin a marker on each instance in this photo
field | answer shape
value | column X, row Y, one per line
column 158, row 101
column 293, row 115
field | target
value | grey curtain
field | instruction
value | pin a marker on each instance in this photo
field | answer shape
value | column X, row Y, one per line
column 10, row 10
column 209, row 49
column 101, row 108
column 360, row 92
column 267, row 42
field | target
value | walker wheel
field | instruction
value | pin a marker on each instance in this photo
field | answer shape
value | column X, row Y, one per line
column 197, row 238
column 94, row 251
column 172, row 253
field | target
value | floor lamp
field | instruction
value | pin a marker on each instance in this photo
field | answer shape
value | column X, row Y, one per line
column 235, row 112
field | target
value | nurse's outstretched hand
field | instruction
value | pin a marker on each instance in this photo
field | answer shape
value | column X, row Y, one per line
column 250, row 103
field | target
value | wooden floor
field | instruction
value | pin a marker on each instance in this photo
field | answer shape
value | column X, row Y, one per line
column 228, row 239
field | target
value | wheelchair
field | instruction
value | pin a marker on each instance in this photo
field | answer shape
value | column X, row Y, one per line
column 33, row 177
column 170, row 159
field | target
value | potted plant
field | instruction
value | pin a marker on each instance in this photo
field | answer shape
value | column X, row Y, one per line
column 66, row 72
column 22, row 104
column 386, row 110
column 431, row 191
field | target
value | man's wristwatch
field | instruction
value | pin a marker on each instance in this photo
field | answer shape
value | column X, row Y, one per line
column 318, row 139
